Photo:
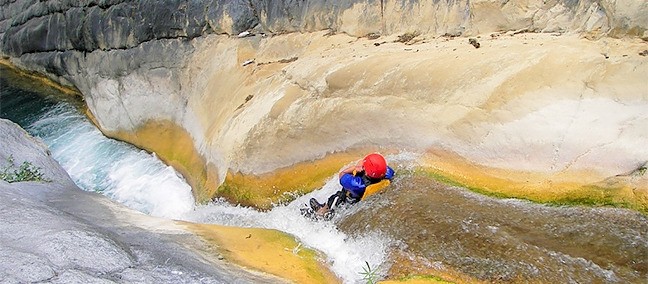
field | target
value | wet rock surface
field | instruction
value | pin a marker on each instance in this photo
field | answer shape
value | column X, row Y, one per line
column 450, row 228
column 55, row 232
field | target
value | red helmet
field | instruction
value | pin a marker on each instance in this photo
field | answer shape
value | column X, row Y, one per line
column 374, row 165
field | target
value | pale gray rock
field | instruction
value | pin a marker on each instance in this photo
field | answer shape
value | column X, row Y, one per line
column 52, row 231
column 84, row 249
column 16, row 266
column 107, row 48
column 78, row 277
column 19, row 146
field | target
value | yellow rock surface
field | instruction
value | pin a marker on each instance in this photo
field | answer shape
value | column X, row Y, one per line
column 548, row 117
column 266, row 250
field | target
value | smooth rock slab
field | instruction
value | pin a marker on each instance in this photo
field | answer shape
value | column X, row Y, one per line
column 55, row 232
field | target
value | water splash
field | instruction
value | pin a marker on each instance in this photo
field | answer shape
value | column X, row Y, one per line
column 140, row 181
column 126, row 174
column 346, row 253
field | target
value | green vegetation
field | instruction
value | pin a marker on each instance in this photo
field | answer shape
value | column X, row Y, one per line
column 595, row 196
column 25, row 172
column 234, row 194
column 427, row 278
column 446, row 180
column 369, row 275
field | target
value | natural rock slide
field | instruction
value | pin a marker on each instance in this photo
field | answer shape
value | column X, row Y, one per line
column 259, row 101
column 54, row 232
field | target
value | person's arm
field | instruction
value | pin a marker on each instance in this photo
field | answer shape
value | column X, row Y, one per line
column 390, row 173
column 353, row 184
column 352, row 169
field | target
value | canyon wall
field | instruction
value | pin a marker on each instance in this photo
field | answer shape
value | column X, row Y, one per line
column 555, row 87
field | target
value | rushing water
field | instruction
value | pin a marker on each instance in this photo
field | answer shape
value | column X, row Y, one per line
column 140, row 181
column 126, row 174
column 507, row 240
column 438, row 229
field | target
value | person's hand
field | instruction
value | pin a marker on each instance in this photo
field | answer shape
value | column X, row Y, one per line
column 359, row 167
column 352, row 169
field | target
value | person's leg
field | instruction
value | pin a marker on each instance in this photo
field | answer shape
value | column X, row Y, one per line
column 336, row 199
column 315, row 205
column 333, row 201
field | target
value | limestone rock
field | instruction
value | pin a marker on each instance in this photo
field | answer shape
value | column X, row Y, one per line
column 55, row 232
column 21, row 147
column 181, row 62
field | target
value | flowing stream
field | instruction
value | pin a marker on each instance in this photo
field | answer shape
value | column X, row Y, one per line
column 140, row 181
column 439, row 229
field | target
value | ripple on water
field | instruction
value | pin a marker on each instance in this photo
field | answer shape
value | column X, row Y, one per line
column 507, row 240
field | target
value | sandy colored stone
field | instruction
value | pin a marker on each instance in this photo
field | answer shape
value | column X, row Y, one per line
column 266, row 190
column 558, row 107
column 425, row 94
column 628, row 190
column 266, row 250
column 175, row 147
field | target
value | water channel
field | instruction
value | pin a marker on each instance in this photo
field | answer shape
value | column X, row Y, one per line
column 430, row 226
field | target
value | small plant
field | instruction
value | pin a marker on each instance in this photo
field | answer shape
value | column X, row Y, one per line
column 372, row 36
column 368, row 275
column 406, row 37
column 642, row 170
column 26, row 172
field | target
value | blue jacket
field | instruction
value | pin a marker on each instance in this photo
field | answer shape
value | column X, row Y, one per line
column 356, row 185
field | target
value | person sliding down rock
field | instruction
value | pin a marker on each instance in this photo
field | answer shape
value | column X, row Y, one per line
column 365, row 178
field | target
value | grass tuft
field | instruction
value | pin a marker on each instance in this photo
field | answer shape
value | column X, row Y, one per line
column 25, row 172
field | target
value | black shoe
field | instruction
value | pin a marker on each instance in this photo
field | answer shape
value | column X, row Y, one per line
column 307, row 212
column 315, row 205
column 328, row 215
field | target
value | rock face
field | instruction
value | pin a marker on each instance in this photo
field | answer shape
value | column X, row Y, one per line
column 51, row 26
column 523, row 101
column 55, row 232
column 19, row 147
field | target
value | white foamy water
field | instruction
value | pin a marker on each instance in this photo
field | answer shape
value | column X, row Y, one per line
column 346, row 254
column 126, row 174
column 140, row 181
